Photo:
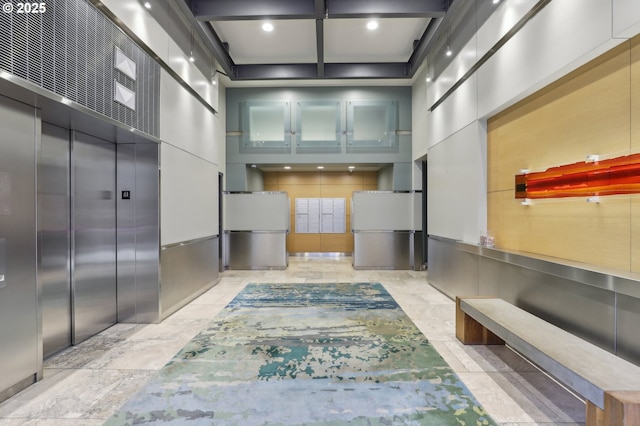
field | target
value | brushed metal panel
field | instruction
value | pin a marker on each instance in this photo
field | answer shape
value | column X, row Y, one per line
column 586, row 311
column 255, row 250
column 452, row 271
column 54, row 246
column 126, row 233
column 147, row 217
column 382, row 250
column 94, row 236
column 19, row 328
column 628, row 318
column 187, row 270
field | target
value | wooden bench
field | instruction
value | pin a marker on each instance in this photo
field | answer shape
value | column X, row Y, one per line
column 610, row 385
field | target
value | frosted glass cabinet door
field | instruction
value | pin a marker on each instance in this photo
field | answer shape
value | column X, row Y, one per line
column 318, row 126
column 266, row 126
column 371, row 126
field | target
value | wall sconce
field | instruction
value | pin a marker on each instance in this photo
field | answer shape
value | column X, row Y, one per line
column 526, row 202
column 595, row 199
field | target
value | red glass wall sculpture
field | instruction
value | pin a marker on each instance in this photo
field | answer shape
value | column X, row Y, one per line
column 619, row 175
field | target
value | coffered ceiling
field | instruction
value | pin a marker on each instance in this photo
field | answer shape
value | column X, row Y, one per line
column 317, row 39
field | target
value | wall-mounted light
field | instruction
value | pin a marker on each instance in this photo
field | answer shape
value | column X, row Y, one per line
column 320, row 167
column 526, row 202
column 351, row 167
column 267, row 26
column 287, row 167
column 372, row 25
column 595, row 199
column 496, row 1
column 449, row 52
column 592, row 158
column 147, row 5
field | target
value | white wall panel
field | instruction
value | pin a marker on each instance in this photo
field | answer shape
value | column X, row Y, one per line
column 505, row 16
column 626, row 18
column 188, row 196
column 457, row 175
column 456, row 112
column 186, row 123
column 563, row 36
column 419, row 111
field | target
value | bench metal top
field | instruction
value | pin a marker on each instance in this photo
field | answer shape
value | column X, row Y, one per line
column 582, row 366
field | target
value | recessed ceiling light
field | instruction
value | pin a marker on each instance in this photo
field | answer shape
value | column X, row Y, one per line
column 147, row 5
column 320, row 167
column 287, row 167
column 372, row 25
column 267, row 26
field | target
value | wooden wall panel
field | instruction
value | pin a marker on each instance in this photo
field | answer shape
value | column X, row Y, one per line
column 635, row 94
column 320, row 185
column 635, row 234
column 572, row 229
column 635, row 147
column 590, row 111
column 586, row 112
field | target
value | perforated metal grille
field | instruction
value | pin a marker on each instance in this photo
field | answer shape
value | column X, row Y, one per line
column 69, row 50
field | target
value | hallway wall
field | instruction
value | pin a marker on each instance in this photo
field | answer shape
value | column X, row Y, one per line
column 590, row 111
column 563, row 36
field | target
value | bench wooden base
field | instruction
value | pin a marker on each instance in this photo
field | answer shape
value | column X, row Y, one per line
column 621, row 408
column 470, row 331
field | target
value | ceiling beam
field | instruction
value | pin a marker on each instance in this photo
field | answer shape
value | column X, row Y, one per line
column 387, row 9
column 373, row 70
column 309, row 71
column 232, row 10
column 422, row 49
column 275, row 72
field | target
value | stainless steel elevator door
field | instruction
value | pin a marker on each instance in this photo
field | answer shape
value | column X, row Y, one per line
column 54, row 238
column 94, row 236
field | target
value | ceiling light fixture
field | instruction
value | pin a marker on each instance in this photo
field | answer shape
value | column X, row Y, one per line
column 448, row 52
column 496, row 1
column 147, row 5
column 267, row 26
column 372, row 25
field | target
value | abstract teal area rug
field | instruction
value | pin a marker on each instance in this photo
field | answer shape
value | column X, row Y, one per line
column 306, row 354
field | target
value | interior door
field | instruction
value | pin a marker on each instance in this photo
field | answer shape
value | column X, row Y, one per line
column 94, row 236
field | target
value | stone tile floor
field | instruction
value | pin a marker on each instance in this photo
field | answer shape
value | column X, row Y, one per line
column 85, row 384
